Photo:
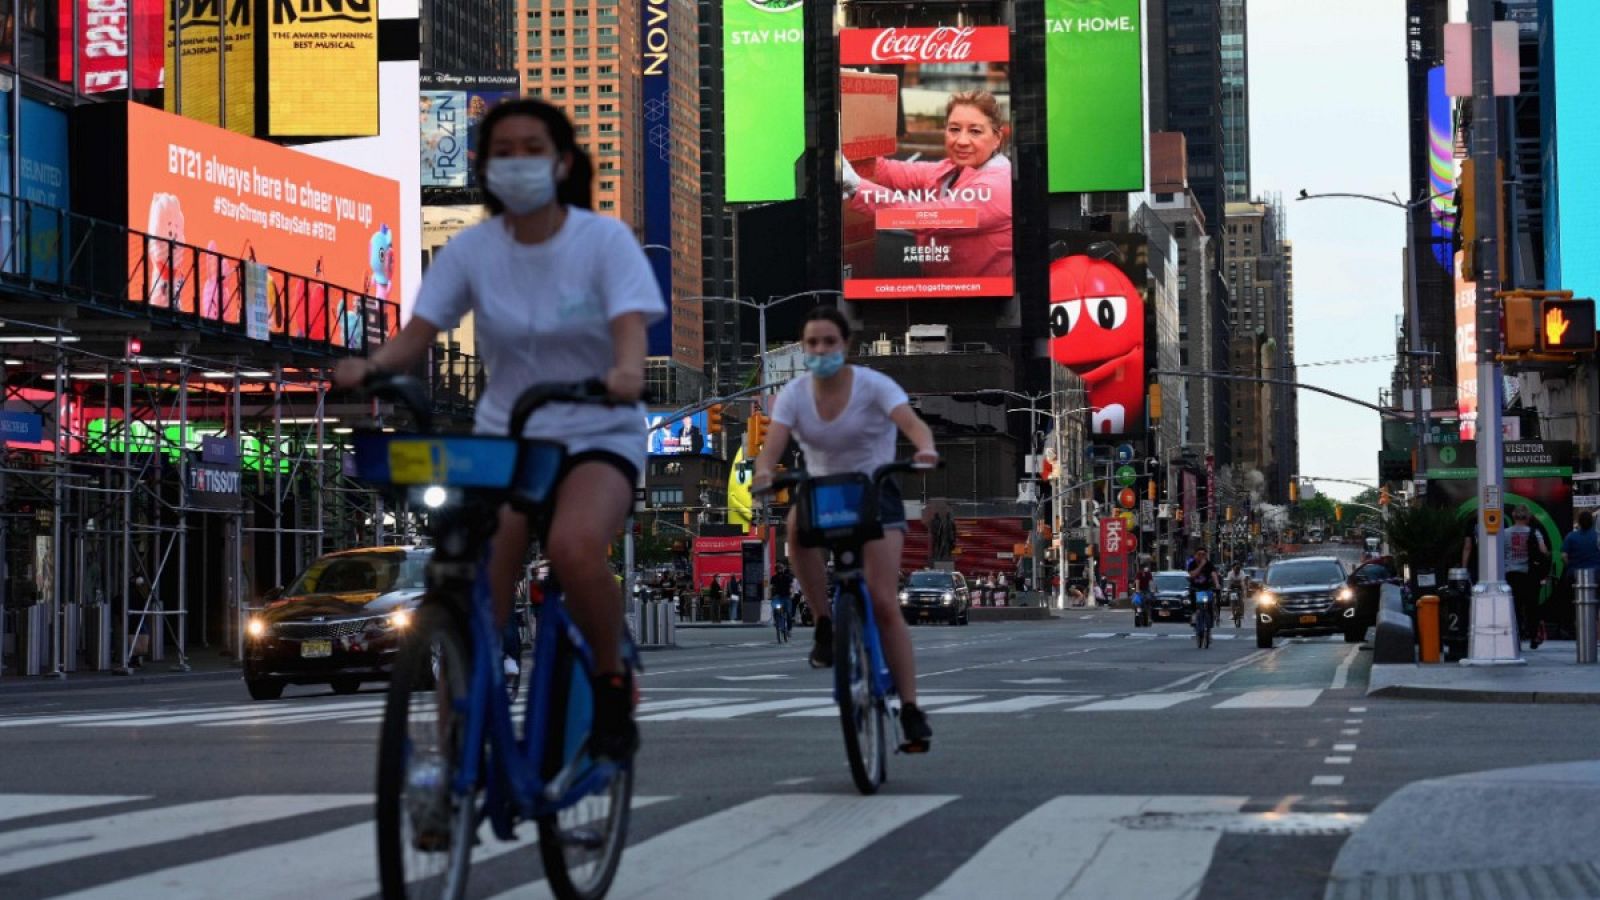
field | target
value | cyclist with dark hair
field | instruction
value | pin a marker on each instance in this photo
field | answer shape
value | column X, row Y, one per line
column 557, row 292
column 846, row 419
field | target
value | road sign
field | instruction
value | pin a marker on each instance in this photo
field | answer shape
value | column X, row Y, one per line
column 1126, row 476
column 1124, row 453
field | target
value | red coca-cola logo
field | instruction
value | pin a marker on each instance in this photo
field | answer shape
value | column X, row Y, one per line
column 930, row 46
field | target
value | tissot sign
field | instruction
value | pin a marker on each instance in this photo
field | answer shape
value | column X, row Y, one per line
column 924, row 45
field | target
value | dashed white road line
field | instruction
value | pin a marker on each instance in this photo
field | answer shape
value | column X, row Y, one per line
column 1344, row 748
column 1327, row 780
column 1336, row 760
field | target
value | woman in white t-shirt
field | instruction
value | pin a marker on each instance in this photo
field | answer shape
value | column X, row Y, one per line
column 558, row 293
column 845, row 418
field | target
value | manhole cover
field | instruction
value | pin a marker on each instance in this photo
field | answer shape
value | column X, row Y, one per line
column 1267, row 823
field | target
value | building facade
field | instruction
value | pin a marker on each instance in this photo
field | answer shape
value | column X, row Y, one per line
column 1257, row 260
column 469, row 35
column 1235, row 101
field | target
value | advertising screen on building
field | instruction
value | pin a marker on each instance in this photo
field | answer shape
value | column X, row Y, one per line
column 1466, row 353
column 113, row 31
column 452, row 105
column 764, row 102
column 196, row 87
column 1572, row 176
column 1094, row 76
column 1099, row 316
column 686, row 435
column 924, row 127
column 1441, row 167
column 322, row 68
column 45, row 184
column 248, row 199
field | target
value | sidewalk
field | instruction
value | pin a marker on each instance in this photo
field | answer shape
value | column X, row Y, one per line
column 1551, row 676
column 1508, row 833
column 205, row 665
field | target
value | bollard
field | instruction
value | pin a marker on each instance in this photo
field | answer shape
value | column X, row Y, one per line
column 1583, row 582
column 1428, row 628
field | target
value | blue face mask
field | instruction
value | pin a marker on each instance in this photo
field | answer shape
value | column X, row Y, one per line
column 824, row 365
column 522, row 183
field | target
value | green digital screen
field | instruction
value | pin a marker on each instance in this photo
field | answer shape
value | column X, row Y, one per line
column 764, row 125
column 1095, row 95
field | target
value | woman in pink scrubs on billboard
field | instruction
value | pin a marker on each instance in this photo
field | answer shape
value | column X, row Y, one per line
column 970, row 187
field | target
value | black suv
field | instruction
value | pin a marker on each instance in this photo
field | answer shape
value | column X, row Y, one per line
column 1170, row 600
column 934, row 595
column 1307, row 595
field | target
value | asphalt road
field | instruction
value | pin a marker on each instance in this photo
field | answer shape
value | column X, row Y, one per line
column 1073, row 758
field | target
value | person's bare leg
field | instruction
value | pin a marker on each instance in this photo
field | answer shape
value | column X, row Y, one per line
column 591, row 507
column 507, row 550
column 882, row 558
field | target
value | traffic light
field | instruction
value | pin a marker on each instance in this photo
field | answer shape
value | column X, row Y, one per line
column 1294, row 490
column 714, row 419
column 1383, row 496
column 1338, row 513
column 1566, row 326
column 1521, row 323
column 1150, row 489
column 1155, row 402
column 755, row 433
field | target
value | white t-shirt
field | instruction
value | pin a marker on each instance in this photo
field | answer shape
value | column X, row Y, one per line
column 543, row 313
column 860, row 440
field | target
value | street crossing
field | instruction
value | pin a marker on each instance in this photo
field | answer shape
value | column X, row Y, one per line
column 693, row 705
column 1066, row 846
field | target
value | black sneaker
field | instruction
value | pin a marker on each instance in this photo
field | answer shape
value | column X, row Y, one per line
column 613, row 735
column 915, row 729
column 822, row 644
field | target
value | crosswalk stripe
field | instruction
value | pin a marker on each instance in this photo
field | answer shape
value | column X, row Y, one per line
column 1091, row 853
column 1099, row 635
column 751, row 849
column 925, row 701
column 737, row 709
column 51, row 844
column 243, row 712
column 334, row 864
column 1017, row 704
column 21, row 806
column 653, row 706
column 1138, row 703
column 1294, row 698
column 293, row 719
column 84, row 718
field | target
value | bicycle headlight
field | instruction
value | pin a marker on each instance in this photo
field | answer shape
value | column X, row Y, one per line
column 434, row 496
column 948, row 598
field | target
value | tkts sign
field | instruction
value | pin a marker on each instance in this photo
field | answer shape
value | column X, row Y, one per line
column 865, row 46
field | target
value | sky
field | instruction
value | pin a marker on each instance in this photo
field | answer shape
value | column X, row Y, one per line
column 1328, row 113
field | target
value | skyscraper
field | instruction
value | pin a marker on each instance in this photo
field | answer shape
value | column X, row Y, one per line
column 1259, row 267
column 1235, row 101
column 468, row 35
column 1192, row 99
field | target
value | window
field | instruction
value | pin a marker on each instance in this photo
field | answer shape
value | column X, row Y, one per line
column 666, row 496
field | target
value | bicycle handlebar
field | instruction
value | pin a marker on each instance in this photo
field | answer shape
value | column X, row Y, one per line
column 410, row 391
column 795, row 479
column 406, row 390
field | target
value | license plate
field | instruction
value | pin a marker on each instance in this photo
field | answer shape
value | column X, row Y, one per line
column 1163, row 613
column 316, row 649
column 1308, row 620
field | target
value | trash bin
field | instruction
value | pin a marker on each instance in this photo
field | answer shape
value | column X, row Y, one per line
column 1455, row 615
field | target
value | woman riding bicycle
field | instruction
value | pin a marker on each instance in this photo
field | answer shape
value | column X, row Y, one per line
column 558, row 293
column 1203, row 586
column 845, row 418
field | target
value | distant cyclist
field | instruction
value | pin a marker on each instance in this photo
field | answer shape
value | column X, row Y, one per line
column 1203, row 581
column 558, row 293
column 846, row 418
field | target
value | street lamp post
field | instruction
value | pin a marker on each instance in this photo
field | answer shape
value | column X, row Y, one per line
column 1420, row 416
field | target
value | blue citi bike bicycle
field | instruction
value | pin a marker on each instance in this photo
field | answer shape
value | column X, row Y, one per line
column 451, row 754
column 840, row 514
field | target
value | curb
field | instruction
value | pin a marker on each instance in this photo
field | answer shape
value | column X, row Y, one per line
column 1468, row 695
column 36, row 686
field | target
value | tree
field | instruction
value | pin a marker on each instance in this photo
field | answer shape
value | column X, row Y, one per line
column 1425, row 537
column 1315, row 510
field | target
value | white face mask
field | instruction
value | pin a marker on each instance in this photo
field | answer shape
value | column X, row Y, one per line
column 524, row 184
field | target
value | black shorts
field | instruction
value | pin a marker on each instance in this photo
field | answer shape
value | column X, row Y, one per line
column 619, row 463
column 891, row 507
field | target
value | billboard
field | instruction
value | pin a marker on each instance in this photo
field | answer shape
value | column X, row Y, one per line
column 451, row 107
column 1572, row 171
column 655, row 48
column 923, row 124
column 684, row 436
column 112, row 31
column 238, row 197
column 44, row 183
column 764, row 101
column 1094, row 95
column 322, row 68
column 214, row 35
column 1099, row 319
column 1441, row 167
column 1466, row 353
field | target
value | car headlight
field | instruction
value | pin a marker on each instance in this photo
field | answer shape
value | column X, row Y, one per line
column 255, row 628
column 400, row 619
column 1345, row 595
column 1265, row 598
column 904, row 597
column 948, row 598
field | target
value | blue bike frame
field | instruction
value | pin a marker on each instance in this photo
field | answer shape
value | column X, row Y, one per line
column 515, row 784
column 879, row 680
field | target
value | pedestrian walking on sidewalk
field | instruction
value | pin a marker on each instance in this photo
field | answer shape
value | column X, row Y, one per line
column 1525, row 558
column 714, row 598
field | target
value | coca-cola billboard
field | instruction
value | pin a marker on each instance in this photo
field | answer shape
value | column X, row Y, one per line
column 924, row 142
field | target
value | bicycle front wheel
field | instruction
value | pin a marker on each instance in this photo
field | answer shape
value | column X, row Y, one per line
column 581, row 845
column 862, row 715
column 425, row 830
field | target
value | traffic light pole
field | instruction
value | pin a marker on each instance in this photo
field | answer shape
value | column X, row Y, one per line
column 1494, row 639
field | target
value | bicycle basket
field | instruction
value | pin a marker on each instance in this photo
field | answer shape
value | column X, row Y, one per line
column 836, row 508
